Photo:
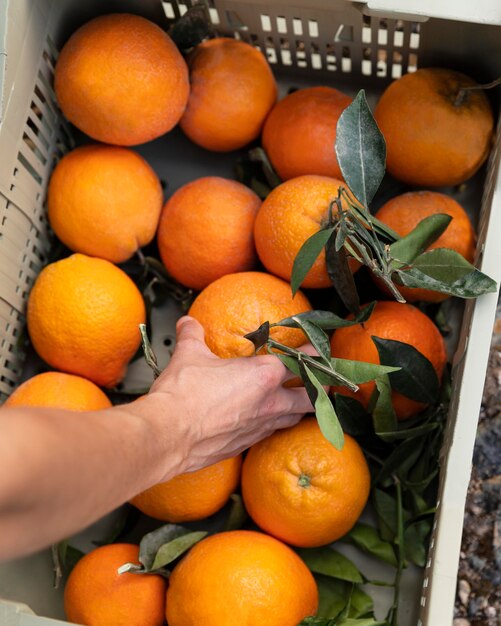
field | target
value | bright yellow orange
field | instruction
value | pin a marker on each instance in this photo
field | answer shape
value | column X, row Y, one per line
column 83, row 318
column 207, row 230
column 240, row 577
column 237, row 304
column 399, row 322
column 293, row 212
column 299, row 488
column 191, row 496
column 435, row 135
column 59, row 390
column 403, row 213
column 232, row 91
column 104, row 201
column 300, row 132
column 96, row 595
column 121, row 80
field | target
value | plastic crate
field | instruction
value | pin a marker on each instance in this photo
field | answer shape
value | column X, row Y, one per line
column 335, row 42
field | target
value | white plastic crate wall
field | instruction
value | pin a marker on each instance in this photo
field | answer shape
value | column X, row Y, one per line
column 312, row 39
column 24, row 232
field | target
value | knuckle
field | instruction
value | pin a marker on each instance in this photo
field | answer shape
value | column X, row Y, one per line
column 269, row 375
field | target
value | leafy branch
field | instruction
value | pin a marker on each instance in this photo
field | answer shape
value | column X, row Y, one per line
column 352, row 231
column 322, row 370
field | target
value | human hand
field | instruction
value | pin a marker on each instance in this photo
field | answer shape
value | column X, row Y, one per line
column 223, row 406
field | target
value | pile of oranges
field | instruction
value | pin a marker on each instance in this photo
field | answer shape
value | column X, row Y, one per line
column 121, row 80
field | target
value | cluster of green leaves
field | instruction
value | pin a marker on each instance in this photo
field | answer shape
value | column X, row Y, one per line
column 351, row 230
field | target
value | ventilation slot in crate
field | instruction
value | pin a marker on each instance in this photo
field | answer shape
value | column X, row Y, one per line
column 380, row 48
column 45, row 138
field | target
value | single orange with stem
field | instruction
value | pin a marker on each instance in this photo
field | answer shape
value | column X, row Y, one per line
column 403, row 213
column 293, row 212
column 237, row 304
column 299, row 488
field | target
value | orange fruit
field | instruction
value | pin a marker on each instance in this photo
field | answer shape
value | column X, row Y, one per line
column 83, row 318
column 434, row 134
column 121, row 80
column 240, row 577
column 206, row 231
column 299, row 488
column 293, row 212
column 300, row 132
column 232, row 91
column 193, row 495
column 399, row 322
column 104, row 201
column 97, row 595
column 403, row 213
column 59, row 390
column 237, row 304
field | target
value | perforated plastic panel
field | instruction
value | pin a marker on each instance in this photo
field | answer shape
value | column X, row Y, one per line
column 33, row 136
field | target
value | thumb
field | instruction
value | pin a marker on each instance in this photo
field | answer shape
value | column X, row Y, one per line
column 189, row 329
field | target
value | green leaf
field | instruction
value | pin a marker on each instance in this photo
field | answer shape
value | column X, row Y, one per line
column 446, row 271
column 324, row 411
column 367, row 539
column 401, row 459
column 341, row 276
column 419, row 239
column 238, row 515
column 386, row 509
column 327, row 621
column 260, row 336
column 468, row 286
column 325, row 378
column 360, row 371
column 381, row 406
column 360, row 150
column 317, row 337
column 327, row 320
column 151, row 543
column 361, row 604
column 173, row 549
column 415, row 542
column 330, row 562
column 333, row 595
column 408, row 433
column 417, row 378
column 354, row 419
column 307, row 255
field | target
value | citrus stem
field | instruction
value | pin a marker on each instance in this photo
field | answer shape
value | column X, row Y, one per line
column 304, row 480
column 463, row 90
column 149, row 354
column 315, row 364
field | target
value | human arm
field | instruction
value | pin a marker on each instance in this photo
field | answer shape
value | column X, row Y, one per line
column 62, row 470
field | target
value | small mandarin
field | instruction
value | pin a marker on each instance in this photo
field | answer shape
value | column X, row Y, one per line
column 83, row 318
column 240, row 577
column 232, row 91
column 299, row 488
column 237, row 304
column 191, row 496
column 399, row 322
column 59, row 390
column 97, row 595
column 206, row 231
